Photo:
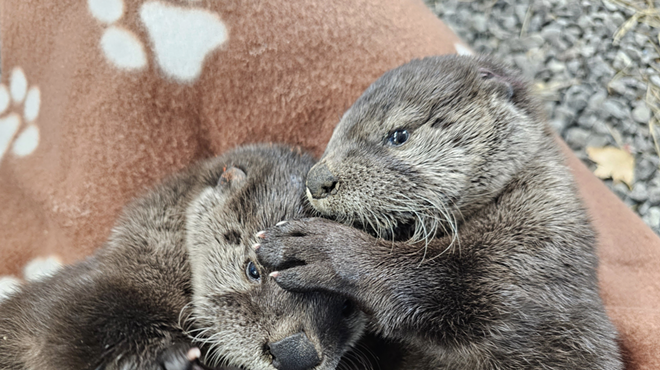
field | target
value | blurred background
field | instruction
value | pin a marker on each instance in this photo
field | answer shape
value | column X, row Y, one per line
column 596, row 65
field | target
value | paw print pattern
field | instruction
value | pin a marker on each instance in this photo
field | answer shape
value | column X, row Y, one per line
column 180, row 37
column 35, row 270
column 11, row 100
column 462, row 49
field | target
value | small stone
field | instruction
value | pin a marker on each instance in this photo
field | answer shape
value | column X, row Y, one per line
column 558, row 125
column 577, row 137
column 646, row 167
column 599, row 68
column 587, row 120
column 573, row 66
column 655, row 79
column 552, row 33
column 639, row 192
column 597, row 99
column 509, row 22
column 555, row 66
column 588, row 51
column 609, row 6
column 479, row 23
column 618, row 86
column 641, row 114
column 585, row 22
column 652, row 217
column 615, row 109
column 644, row 208
column 620, row 189
column 521, row 11
column 641, row 39
column 654, row 196
column 532, row 41
column 597, row 141
column 621, row 60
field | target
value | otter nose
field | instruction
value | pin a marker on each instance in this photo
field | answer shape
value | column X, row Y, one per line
column 294, row 352
column 320, row 181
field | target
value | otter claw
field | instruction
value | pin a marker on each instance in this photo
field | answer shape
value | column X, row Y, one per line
column 281, row 223
column 193, row 354
column 256, row 246
column 261, row 234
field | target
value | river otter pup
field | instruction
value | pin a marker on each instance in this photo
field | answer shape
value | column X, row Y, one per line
column 180, row 264
column 488, row 258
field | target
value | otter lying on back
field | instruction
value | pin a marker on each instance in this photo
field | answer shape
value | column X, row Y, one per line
column 179, row 264
column 491, row 261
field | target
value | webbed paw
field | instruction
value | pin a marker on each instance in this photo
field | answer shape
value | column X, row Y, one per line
column 312, row 254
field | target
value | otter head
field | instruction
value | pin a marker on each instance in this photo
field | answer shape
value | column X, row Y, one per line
column 239, row 314
column 427, row 144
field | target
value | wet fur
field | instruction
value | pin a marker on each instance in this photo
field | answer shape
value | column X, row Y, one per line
column 488, row 259
column 172, row 275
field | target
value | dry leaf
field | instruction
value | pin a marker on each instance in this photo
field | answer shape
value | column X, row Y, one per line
column 613, row 162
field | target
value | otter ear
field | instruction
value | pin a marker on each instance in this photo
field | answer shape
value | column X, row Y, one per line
column 500, row 84
column 233, row 177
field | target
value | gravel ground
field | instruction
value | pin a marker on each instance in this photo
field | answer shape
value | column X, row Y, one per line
column 597, row 92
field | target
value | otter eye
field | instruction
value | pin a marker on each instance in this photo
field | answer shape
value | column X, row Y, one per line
column 398, row 137
column 347, row 309
column 252, row 271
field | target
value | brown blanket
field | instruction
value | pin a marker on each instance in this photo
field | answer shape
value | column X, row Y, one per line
column 101, row 99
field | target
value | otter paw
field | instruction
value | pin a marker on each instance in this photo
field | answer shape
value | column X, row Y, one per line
column 181, row 357
column 309, row 255
column 290, row 243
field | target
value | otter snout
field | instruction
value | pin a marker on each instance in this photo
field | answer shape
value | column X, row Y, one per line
column 295, row 352
column 320, row 181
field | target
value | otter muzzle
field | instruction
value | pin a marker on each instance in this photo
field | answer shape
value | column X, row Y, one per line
column 320, row 181
column 295, row 352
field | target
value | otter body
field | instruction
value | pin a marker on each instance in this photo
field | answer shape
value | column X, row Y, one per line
column 486, row 258
column 179, row 271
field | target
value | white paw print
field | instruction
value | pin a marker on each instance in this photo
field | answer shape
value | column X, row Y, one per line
column 180, row 37
column 462, row 49
column 37, row 269
column 11, row 100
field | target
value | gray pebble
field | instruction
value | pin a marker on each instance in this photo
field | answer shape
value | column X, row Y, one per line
column 595, row 140
column 645, row 167
column 621, row 190
column 654, row 196
column 641, row 114
column 596, row 100
column 639, row 192
column 652, row 217
column 655, row 79
column 577, row 137
column 479, row 22
column 532, row 41
column 621, row 60
column 609, row 6
column 618, row 86
column 556, row 67
column 615, row 109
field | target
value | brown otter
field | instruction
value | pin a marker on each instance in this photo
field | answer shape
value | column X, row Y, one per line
column 179, row 271
column 487, row 259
